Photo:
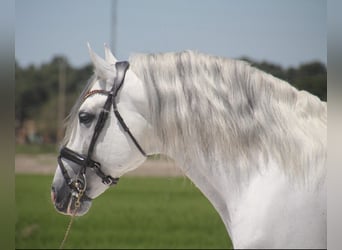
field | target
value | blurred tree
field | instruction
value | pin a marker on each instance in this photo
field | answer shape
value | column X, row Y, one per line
column 37, row 89
column 311, row 76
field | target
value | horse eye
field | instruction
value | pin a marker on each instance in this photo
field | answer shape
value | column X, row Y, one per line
column 85, row 117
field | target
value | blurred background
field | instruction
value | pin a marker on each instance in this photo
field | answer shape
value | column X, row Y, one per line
column 284, row 38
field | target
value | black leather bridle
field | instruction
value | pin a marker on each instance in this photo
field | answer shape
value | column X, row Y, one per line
column 78, row 185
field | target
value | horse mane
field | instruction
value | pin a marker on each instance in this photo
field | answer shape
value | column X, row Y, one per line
column 212, row 110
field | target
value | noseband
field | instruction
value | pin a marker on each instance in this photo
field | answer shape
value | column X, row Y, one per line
column 78, row 185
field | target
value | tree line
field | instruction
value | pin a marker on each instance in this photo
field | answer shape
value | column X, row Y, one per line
column 36, row 91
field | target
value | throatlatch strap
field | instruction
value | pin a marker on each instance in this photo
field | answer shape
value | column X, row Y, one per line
column 121, row 68
column 126, row 129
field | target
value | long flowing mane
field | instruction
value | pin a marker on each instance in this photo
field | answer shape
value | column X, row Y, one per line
column 213, row 110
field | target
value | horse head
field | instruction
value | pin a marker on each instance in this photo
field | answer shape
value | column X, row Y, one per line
column 106, row 135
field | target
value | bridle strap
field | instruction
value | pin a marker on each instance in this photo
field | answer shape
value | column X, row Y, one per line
column 126, row 129
column 86, row 161
column 100, row 124
column 82, row 161
column 121, row 68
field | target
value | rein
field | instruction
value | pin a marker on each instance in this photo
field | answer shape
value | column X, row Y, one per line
column 77, row 205
column 78, row 185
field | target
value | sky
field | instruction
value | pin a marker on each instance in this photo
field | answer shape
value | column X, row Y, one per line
column 285, row 32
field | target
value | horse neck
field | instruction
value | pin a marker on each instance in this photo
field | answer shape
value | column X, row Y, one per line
column 228, row 195
column 219, row 187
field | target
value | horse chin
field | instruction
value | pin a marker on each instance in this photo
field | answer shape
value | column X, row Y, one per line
column 81, row 210
column 69, row 207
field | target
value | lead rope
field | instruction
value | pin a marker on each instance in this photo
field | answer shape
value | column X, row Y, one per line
column 77, row 206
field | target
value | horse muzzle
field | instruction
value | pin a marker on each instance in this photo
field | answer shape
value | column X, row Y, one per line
column 67, row 201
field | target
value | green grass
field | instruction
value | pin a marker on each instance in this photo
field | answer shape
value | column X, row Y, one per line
column 141, row 212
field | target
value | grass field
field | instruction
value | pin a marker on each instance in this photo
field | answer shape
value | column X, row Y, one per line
column 141, row 212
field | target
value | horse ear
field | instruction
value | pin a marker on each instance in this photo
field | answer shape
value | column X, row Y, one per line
column 102, row 68
column 109, row 56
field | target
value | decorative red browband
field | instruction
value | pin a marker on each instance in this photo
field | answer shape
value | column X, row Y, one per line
column 95, row 91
